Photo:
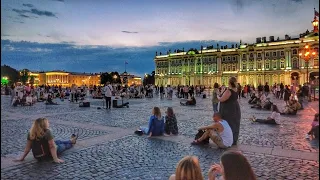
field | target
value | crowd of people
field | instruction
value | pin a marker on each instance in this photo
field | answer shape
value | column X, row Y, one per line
column 223, row 132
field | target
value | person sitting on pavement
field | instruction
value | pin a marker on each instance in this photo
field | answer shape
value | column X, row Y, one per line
column 41, row 141
column 188, row 168
column 291, row 108
column 233, row 165
column 314, row 131
column 189, row 102
column 253, row 99
column 219, row 132
column 273, row 119
column 49, row 100
column 171, row 127
column 29, row 100
column 15, row 100
column 156, row 124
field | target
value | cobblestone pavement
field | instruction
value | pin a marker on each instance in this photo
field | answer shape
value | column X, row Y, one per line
column 133, row 157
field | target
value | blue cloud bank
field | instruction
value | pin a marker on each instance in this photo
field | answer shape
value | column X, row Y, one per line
column 70, row 57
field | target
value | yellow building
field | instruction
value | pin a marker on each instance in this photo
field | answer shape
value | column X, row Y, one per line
column 64, row 79
column 272, row 61
column 131, row 79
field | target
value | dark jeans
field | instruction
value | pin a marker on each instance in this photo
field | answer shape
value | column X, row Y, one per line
column 215, row 107
column 266, row 121
column 108, row 102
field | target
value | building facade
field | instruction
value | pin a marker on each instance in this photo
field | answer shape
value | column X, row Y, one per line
column 65, row 79
column 272, row 61
column 131, row 79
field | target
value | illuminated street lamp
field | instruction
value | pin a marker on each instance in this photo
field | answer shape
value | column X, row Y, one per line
column 306, row 53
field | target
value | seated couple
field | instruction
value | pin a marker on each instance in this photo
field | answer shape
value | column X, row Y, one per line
column 292, row 108
column 273, row 119
column 263, row 103
column 188, row 102
column 40, row 140
column 159, row 125
column 219, row 132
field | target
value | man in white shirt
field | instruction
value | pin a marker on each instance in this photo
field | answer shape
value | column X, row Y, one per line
column 219, row 132
column 108, row 94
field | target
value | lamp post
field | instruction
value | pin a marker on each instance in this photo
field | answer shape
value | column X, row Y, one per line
column 306, row 53
column 315, row 24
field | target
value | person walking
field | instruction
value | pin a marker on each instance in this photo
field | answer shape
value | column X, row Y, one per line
column 229, row 101
column 108, row 94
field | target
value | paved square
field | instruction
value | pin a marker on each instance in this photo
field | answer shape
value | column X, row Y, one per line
column 108, row 149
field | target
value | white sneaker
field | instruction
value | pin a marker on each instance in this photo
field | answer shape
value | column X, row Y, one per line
column 307, row 136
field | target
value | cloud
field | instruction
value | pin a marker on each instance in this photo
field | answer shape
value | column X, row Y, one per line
column 58, row 0
column 27, row 5
column 20, row 11
column 129, row 32
column 5, row 35
column 24, row 16
column 38, row 12
column 43, row 13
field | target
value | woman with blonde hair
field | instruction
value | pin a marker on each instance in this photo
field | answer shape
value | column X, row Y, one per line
column 156, row 124
column 41, row 141
column 188, row 168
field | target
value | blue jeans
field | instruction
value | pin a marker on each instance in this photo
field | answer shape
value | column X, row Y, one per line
column 215, row 107
column 63, row 145
column 144, row 130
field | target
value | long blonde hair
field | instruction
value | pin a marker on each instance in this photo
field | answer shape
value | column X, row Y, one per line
column 38, row 128
column 188, row 168
column 157, row 112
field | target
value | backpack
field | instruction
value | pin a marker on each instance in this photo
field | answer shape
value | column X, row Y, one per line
column 40, row 149
column 199, row 134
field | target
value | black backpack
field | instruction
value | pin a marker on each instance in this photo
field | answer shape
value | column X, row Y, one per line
column 199, row 134
column 40, row 149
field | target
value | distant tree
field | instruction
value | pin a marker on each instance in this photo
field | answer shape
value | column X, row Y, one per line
column 105, row 77
column 149, row 78
column 12, row 74
column 24, row 76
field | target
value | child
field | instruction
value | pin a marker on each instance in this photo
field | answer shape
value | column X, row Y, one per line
column 171, row 126
column 314, row 127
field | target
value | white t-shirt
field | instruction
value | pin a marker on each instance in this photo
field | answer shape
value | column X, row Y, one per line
column 276, row 117
column 108, row 90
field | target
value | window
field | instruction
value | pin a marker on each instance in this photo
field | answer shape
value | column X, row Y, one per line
column 243, row 56
column 295, row 63
column 224, row 67
column 274, row 64
column 267, row 65
column 251, row 55
column 259, row 64
column 233, row 67
column 316, row 62
column 229, row 67
column 229, row 58
column 244, row 66
column 259, row 55
column 281, row 64
column 282, row 53
column 267, row 54
column 251, row 65
column 274, row 53
column 234, row 58
column 294, row 51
